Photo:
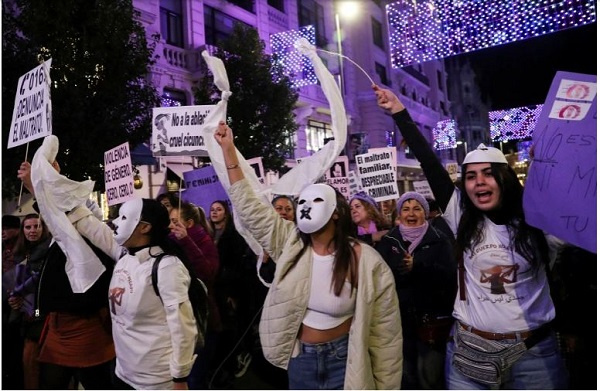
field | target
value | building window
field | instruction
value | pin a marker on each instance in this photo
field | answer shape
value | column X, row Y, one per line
column 414, row 95
column 377, row 33
column 277, row 4
column 443, row 108
column 311, row 13
column 390, row 138
column 218, row 26
column 316, row 133
column 172, row 98
column 439, row 80
column 382, row 73
column 248, row 5
column 171, row 22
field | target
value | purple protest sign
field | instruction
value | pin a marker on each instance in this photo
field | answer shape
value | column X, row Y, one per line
column 560, row 192
column 203, row 188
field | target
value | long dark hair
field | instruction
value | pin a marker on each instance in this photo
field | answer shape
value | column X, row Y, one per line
column 345, row 260
column 22, row 245
column 228, row 215
column 157, row 215
column 529, row 241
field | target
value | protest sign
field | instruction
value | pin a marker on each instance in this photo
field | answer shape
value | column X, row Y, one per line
column 32, row 115
column 257, row 165
column 203, row 188
column 377, row 173
column 118, row 175
column 353, row 184
column 336, row 176
column 560, row 191
column 422, row 187
column 177, row 131
column 452, row 169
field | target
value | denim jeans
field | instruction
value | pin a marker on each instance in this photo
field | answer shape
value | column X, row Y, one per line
column 319, row 366
column 540, row 368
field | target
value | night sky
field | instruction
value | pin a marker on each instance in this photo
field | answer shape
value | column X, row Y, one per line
column 520, row 73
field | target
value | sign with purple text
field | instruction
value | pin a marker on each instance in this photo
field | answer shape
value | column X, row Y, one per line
column 560, row 192
column 32, row 115
column 203, row 188
column 118, row 175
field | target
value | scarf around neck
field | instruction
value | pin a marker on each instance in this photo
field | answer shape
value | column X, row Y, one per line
column 372, row 229
column 413, row 235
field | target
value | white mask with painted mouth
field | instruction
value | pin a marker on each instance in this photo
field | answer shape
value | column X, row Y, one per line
column 129, row 217
column 316, row 205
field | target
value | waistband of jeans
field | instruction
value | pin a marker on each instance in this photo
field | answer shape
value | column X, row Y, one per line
column 324, row 346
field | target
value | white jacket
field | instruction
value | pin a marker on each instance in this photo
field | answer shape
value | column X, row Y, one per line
column 375, row 344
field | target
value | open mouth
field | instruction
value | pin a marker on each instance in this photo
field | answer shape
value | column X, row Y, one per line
column 411, row 221
column 483, row 196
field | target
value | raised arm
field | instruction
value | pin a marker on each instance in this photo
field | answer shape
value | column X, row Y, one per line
column 437, row 176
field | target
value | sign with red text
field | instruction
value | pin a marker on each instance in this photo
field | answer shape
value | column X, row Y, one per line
column 561, row 187
column 118, row 175
column 32, row 115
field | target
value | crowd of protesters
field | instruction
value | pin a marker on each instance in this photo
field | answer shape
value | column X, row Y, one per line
column 347, row 294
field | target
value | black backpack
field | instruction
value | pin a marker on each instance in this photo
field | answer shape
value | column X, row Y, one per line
column 198, row 295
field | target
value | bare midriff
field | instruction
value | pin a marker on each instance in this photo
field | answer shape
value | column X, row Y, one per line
column 310, row 335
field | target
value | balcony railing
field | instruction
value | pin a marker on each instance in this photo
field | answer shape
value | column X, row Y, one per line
column 416, row 74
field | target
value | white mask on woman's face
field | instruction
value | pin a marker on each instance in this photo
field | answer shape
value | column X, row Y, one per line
column 316, row 205
column 130, row 214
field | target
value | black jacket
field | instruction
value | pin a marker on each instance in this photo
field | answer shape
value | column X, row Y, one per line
column 430, row 287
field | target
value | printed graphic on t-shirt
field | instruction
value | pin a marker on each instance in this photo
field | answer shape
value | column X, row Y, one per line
column 497, row 274
column 120, row 285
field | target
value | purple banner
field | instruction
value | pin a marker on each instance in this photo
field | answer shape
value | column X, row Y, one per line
column 560, row 192
column 203, row 188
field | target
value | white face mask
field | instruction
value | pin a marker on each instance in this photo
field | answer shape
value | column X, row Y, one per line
column 316, row 205
column 129, row 217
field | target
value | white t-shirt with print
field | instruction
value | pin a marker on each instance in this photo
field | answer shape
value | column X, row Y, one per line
column 503, row 292
column 144, row 329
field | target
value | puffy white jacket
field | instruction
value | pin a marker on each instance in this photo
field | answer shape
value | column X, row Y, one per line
column 375, row 343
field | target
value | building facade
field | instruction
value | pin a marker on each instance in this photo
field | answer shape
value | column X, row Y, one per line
column 187, row 27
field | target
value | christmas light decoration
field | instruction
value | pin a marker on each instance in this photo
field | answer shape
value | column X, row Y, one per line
column 444, row 134
column 513, row 124
column 296, row 66
column 432, row 29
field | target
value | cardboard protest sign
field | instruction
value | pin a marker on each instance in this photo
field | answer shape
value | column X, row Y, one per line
column 452, row 169
column 32, row 115
column 203, row 188
column 377, row 173
column 560, row 191
column 118, row 175
column 423, row 188
column 177, row 131
column 257, row 165
column 353, row 184
column 337, row 176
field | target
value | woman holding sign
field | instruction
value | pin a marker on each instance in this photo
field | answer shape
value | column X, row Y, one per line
column 331, row 315
column 503, row 310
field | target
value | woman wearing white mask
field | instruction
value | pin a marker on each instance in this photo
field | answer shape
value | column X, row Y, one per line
column 331, row 315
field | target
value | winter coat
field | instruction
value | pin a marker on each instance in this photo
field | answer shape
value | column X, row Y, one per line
column 375, row 340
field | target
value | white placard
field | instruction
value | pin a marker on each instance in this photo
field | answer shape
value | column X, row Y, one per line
column 353, row 183
column 177, row 131
column 32, row 115
column 118, row 175
column 257, row 164
column 337, row 176
column 423, row 188
column 377, row 173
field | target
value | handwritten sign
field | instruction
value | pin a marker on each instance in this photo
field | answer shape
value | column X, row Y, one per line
column 32, row 117
column 203, row 188
column 377, row 173
column 423, row 188
column 118, row 175
column 177, row 131
column 452, row 169
column 337, row 176
column 560, row 192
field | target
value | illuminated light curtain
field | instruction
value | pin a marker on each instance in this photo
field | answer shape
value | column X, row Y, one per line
column 296, row 66
column 444, row 134
column 514, row 124
column 427, row 30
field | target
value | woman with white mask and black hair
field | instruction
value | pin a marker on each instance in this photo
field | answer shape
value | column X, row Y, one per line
column 331, row 315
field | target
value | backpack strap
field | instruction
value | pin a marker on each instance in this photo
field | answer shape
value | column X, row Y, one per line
column 461, row 277
column 155, row 274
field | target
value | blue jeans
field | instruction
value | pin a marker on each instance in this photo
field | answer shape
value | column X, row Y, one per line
column 540, row 368
column 319, row 366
